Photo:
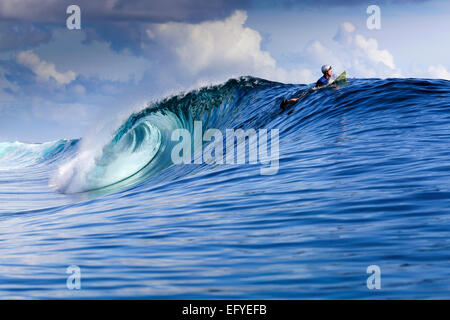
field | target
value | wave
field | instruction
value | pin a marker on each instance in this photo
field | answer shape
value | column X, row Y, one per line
column 141, row 147
column 17, row 155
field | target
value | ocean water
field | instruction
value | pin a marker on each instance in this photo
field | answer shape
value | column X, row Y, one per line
column 363, row 179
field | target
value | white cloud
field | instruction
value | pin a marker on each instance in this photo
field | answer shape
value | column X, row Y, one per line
column 369, row 47
column 439, row 72
column 363, row 55
column 42, row 69
column 220, row 48
column 226, row 43
column 315, row 53
column 360, row 56
column 344, row 35
column 94, row 59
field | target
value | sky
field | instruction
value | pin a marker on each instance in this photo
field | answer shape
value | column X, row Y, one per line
column 59, row 83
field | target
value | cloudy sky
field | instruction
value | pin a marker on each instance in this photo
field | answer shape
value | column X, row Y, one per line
column 59, row 83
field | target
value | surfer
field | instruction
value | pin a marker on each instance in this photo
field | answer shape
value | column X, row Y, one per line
column 323, row 81
column 327, row 72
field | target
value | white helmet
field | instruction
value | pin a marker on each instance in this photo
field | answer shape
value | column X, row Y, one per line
column 325, row 68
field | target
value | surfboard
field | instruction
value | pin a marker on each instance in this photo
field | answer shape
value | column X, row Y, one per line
column 342, row 78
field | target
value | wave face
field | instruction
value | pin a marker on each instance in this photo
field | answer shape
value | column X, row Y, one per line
column 142, row 146
column 363, row 180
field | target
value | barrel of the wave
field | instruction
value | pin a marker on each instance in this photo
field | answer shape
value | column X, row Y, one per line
column 96, row 166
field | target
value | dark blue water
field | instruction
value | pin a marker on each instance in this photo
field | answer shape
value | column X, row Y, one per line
column 363, row 179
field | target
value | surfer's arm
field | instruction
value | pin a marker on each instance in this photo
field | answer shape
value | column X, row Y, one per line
column 319, row 84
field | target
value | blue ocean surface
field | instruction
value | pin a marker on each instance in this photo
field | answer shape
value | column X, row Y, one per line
column 363, row 179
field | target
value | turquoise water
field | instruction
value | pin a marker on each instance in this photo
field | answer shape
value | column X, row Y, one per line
column 363, row 179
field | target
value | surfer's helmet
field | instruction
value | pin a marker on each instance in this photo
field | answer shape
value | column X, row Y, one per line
column 325, row 68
